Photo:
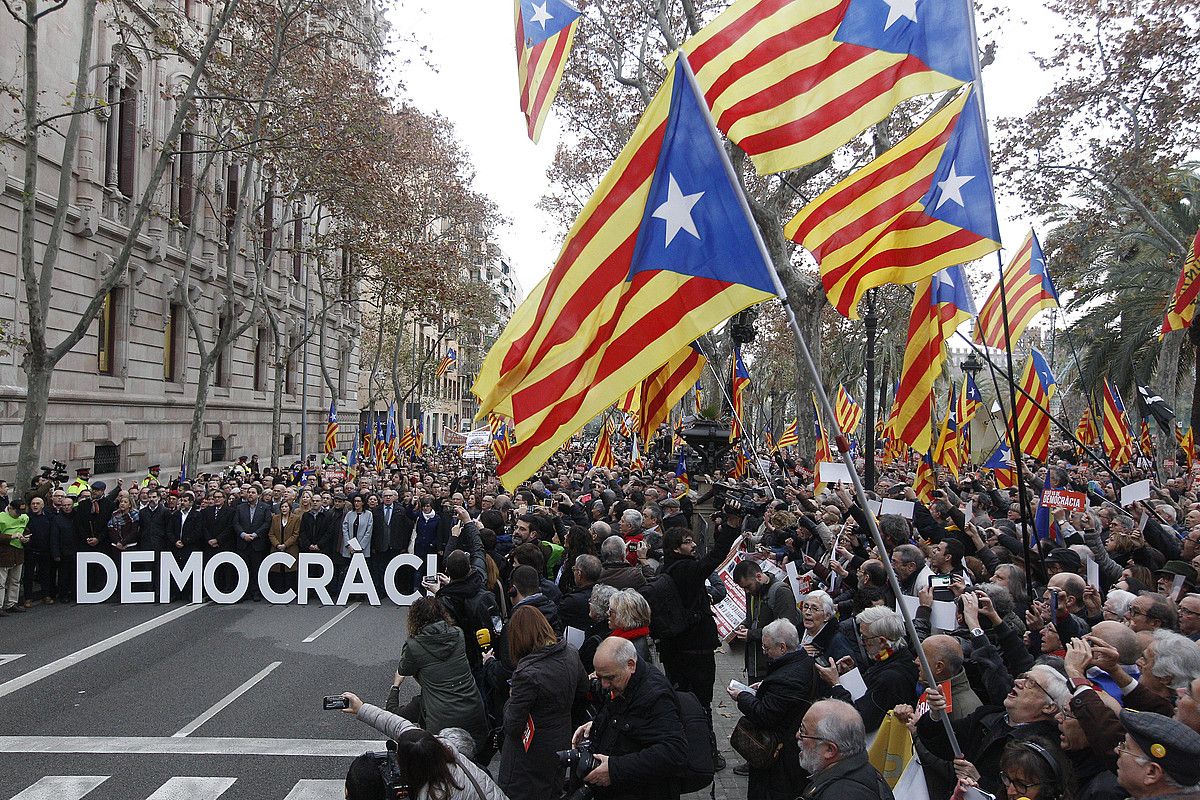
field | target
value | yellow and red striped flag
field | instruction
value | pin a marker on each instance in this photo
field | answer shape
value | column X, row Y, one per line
column 662, row 253
column 741, row 462
column 1186, row 443
column 602, row 456
column 949, row 450
column 1146, row 439
column 847, row 412
column 940, row 305
column 792, row 80
column 635, row 457
column 1028, row 289
column 408, row 440
column 1003, row 467
column 822, row 452
column 662, row 389
column 790, row 436
column 1118, row 444
column 1182, row 306
column 499, row 429
column 545, row 33
column 738, row 384
column 966, row 407
column 926, row 480
column 1031, row 423
column 923, row 206
column 331, row 429
column 1085, row 431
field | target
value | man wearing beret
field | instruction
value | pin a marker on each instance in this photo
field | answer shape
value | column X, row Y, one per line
column 1159, row 759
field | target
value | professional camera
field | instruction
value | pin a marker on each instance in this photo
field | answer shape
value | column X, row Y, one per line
column 57, row 472
column 578, row 762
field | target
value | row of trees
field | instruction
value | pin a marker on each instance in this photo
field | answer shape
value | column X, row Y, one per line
column 1101, row 160
column 279, row 147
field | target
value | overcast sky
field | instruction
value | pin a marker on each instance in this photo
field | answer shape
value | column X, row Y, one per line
column 475, row 86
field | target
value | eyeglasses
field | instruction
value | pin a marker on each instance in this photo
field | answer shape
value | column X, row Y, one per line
column 1024, row 680
column 1020, row 786
column 1189, row 612
column 1121, row 748
column 1136, row 612
column 802, row 735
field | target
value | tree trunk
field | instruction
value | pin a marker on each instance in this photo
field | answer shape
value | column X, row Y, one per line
column 202, row 384
column 38, row 373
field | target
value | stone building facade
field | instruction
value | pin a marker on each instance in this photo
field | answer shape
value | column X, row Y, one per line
column 124, row 396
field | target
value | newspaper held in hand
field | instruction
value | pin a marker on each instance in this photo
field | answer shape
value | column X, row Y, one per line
column 354, row 545
column 739, row 687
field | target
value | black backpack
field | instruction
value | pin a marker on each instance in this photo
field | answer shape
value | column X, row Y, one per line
column 698, row 768
column 668, row 616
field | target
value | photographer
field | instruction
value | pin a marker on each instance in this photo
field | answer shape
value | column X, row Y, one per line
column 429, row 767
column 637, row 737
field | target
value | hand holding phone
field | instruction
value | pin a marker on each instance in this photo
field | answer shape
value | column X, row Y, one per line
column 335, row 702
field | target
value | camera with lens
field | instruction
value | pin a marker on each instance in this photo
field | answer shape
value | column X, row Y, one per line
column 57, row 471
column 578, row 762
column 739, row 502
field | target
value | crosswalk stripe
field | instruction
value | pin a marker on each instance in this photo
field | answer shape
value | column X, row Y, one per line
column 61, row 787
column 192, row 789
column 317, row 790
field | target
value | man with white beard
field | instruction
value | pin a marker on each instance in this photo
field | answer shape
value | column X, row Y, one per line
column 833, row 748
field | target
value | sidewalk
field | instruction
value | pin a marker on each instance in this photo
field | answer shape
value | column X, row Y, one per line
column 725, row 717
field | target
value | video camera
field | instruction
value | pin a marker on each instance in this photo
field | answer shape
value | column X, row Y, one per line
column 578, row 763
column 739, row 501
column 56, row 472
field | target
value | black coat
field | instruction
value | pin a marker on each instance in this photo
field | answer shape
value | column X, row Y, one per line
column 315, row 529
column 642, row 732
column 387, row 536
column 691, row 577
column 256, row 521
column 850, row 779
column 890, row 683
column 63, row 543
column 216, row 522
column 573, row 609
column 831, row 643
column 782, row 699
column 545, row 685
column 545, row 605
column 189, row 531
column 472, row 607
column 153, row 525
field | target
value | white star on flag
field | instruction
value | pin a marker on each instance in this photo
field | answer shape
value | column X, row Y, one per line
column 898, row 9
column 951, row 188
column 540, row 14
column 677, row 211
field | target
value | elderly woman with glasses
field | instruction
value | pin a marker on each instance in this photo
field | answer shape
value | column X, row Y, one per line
column 822, row 637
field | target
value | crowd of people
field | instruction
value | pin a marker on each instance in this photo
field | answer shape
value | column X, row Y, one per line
column 570, row 630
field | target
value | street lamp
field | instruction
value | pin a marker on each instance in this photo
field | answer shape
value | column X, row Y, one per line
column 971, row 366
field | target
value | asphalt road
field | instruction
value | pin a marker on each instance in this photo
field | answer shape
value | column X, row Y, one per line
column 143, row 700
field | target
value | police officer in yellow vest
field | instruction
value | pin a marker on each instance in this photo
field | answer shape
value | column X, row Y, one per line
column 151, row 476
column 80, row 484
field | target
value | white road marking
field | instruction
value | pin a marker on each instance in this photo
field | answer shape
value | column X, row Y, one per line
column 61, row 787
column 308, row 789
column 217, row 707
column 6, row 658
column 192, row 789
column 33, row 676
column 332, row 622
column 192, row 745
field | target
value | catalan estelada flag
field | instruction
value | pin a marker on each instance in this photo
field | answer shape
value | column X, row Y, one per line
column 499, row 429
column 681, row 474
column 847, row 412
column 940, row 305
column 926, row 480
column 545, row 33
column 1186, row 443
column 331, row 429
column 1085, row 431
column 1182, row 306
column 790, row 436
column 393, row 434
column 635, row 457
column 419, row 435
column 822, row 451
column 1118, row 444
column 352, row 462
column 662, row 389
column 790, row 81
column 1032, row 424
column 925, row 205
column 409, row 440
column 602, row 456
column 741, row 462
column 698, row 397
column 1028, row 289
column 738, row 383
column 1003, row 466
column 448, row 360
column 380, row 443
column 948, row 450
column 662, row 253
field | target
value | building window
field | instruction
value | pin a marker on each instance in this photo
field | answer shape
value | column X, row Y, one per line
column 218, row 448
column 260, row 361
column 127, row 139
column 221, row 368
column 268, row 231
column 297, row 244
column 106, row 339
column 231, row 202
column 171, row 336
column 346, row 272
column 288, row 444
column 107, row 459
column 181, row 179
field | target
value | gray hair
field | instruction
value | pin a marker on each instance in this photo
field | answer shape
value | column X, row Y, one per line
column 1002, row 599
column 589, row 567
column 633, row 517
column 1055, row 684
column 883, row 621
column 462, row 740
column 1016, row 582
column 612, row 549
column 630, row 609
column 624, row 650
column 1176, row 659
column 782, row 631
column 601, row 594
column 601, row 527
column 842, row 725
column 654, row 511
column 1121, row 601
column 822, row 597
column 910, row 554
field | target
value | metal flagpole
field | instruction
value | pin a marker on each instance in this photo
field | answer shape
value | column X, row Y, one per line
column 745, row 430
column 843, row 444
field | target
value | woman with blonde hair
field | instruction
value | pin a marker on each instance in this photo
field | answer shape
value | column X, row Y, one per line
column 629, row 618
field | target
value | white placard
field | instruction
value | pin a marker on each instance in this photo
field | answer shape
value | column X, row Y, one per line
column 834, row 472
column 913, row 604
column 902, row 507
column 574, row 637
column 793, row 575
column 942, row 618
column 1135, row 491
column 969, row 511
column 875, row 507
column 1176, row 586
column 1093, row 573
column 853, row 683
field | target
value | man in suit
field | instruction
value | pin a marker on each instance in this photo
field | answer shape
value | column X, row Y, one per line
column 385, row 534
column 152, row 525
column 185, row 531
column 216, row 531
column 252, row 523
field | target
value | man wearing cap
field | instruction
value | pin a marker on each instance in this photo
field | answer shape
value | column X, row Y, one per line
column 1175, row 579
column 80, row 484
column 151, row 478
column 1062, row 559
column 1159, row 759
